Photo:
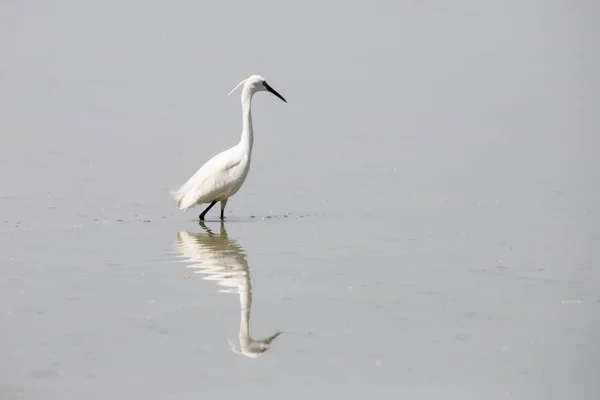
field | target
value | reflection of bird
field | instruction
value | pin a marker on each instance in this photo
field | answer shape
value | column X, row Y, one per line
column 224, row 261
column 224, row 174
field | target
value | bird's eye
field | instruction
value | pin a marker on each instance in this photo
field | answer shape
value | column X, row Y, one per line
column 265, row 84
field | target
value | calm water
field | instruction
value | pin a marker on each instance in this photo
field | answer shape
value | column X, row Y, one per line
column 420, row 220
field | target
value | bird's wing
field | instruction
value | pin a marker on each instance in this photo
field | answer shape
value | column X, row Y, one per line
column 208, row 180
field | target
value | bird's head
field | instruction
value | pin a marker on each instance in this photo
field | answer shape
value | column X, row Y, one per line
column 257, row 83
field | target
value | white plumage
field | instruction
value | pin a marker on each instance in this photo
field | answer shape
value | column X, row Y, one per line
column 224, row 174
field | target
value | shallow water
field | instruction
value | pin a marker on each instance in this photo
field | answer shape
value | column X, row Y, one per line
column 429, row 232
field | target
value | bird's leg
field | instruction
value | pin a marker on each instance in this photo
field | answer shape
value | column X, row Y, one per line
column 223, row 204
column 207, row 208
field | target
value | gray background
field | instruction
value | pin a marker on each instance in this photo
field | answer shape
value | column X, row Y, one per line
column 425, row 206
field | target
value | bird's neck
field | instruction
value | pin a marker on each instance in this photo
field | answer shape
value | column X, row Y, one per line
column 247, row 139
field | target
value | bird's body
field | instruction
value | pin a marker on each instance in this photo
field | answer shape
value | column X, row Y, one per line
column 223, row 175
column 217, row 180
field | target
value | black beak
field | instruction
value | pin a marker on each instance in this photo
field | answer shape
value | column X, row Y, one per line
column 270, row 89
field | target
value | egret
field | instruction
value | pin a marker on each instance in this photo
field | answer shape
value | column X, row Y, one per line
column 224, row 174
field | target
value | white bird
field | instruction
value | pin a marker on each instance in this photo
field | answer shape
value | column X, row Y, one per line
column 223, row 175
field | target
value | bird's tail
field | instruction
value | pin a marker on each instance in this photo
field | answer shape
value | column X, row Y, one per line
column 177, row 195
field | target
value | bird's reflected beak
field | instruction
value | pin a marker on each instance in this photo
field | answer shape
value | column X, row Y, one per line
column 270, row 89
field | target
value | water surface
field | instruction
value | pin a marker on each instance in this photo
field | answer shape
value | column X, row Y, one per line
column 420, row 220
